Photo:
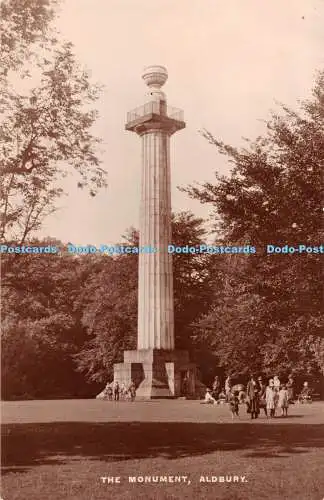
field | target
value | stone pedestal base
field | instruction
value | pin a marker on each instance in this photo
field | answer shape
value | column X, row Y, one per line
column 159, row 374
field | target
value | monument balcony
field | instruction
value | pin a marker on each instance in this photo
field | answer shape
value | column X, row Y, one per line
column 155, row 112
column 156, row 108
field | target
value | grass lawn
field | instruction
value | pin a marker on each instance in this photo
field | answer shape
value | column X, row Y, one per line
column 57, row 450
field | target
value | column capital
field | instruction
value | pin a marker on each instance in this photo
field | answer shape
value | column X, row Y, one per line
column 153, row 123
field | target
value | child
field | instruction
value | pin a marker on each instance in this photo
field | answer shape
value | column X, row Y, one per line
column 234, row 404
column 283, row 401
column 109, row 392
column 270, row 396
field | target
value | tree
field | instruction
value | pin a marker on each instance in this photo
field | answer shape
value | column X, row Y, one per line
column 268, row 315
column 191, row 278
column 25, row 24
column 109, row 317
column 41, row 324
column 45, row 133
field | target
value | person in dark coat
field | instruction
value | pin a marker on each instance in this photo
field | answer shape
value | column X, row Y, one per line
column 262, row 395
column 252, row 395
column 116, row 391
column 291, row 389
column 216, row 389
column 185, row 387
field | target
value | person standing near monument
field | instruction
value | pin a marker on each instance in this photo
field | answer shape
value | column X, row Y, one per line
column 253, row 398
column 132, row 391
column 291, row 389
column 228, row 387
column 216, row 387
column 122, row 391
column 276, row 383
column 262, row 395
column 109, row 392
column 116, row 391
column 234, row 404
column 283, row 401
column 271, row 399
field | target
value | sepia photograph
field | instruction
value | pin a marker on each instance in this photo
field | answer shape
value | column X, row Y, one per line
column 161, row 219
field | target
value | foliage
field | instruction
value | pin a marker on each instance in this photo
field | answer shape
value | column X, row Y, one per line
column 45, row 131
column 191, row 277
column 109, row 316
column 268, row 316
column 25, row 25
column 41, row 326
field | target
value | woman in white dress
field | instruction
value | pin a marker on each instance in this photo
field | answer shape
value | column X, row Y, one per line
column 228, row 387
column 270, row 396
column 276, row 383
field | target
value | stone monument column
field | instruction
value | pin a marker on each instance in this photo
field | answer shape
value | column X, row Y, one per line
column 155, row 291
column 156, row 367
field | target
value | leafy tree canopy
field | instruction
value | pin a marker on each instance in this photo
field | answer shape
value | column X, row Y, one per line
column 47, row 117
column 268, row 315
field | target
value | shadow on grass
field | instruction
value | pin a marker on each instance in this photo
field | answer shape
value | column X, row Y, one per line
column 57, row 443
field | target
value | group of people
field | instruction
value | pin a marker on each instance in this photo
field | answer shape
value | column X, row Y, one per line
column 268, row 397
column 257, row 395
column 116, row 392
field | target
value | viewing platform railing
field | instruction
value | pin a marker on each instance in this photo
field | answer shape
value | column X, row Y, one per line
column 155, row 107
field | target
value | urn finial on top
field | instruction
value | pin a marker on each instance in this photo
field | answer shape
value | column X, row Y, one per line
column 154, row 77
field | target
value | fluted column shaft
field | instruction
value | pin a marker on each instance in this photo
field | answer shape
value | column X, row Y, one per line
column 155, row 291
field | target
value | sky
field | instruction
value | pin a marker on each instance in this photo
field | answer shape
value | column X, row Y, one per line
column 229, row 63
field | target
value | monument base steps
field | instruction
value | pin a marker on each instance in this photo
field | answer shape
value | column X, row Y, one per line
column 159, row 374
